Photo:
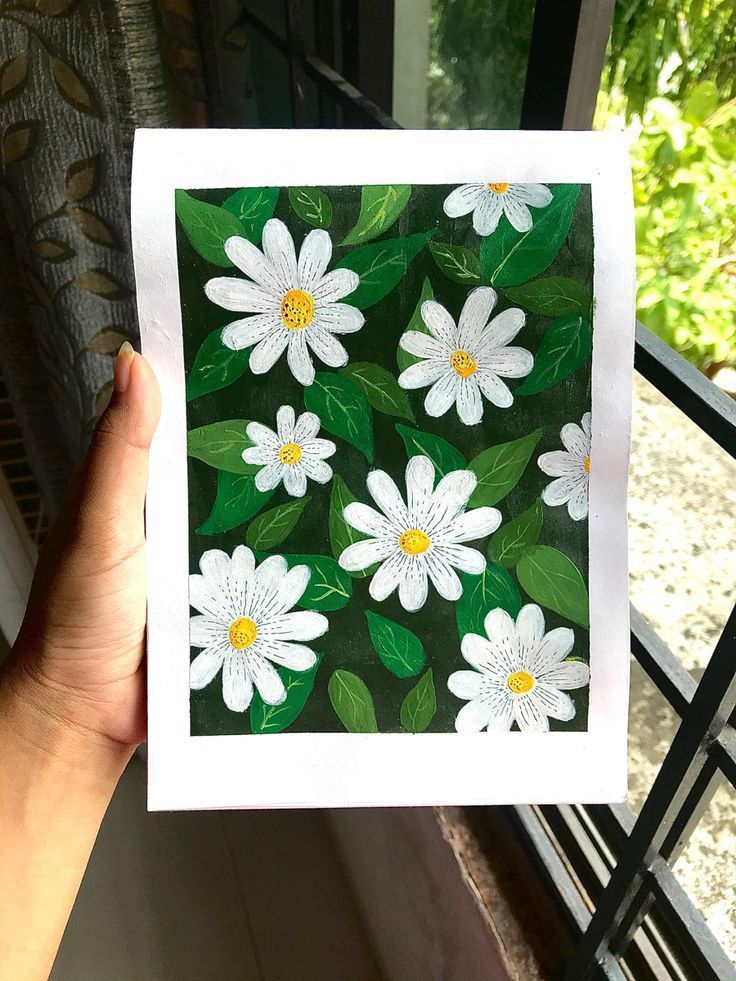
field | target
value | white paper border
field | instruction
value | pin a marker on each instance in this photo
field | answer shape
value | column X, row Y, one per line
column 334, row 769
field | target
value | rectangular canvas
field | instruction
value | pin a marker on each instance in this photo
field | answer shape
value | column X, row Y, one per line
column 387, row 506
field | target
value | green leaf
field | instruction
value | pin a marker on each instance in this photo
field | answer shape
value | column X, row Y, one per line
column 492, row 589
column 207, row 227
column 511, row 540
column 508, row 257
column 352, row 702
column 499, row 469
column 342, row 535
column 272, row 527
column 380, row 388
column 554, row 581
column 399, row 649
column 343, row 410
column 565, row 346
column 237, row 500
column 221, row 444
column 252, row 206
column 381, row 266
column 275, row 718
column 420, row 705
column 552, row 296
column 380, row 206
column 702, row 101
column 443, row 455
column 403, row 358
column 312, row 206
column 329, row 586
column 215, row 366
column 458, row 263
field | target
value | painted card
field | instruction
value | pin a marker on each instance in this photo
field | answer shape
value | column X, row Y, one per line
column 387, row 505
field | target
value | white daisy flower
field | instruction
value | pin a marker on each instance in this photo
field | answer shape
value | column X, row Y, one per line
column 421, row 538
column 489, row 201
column 291, row 454
column 464, row 362
column 245, row 625
column 521, row 674
column 294, row 302
column 571, row 467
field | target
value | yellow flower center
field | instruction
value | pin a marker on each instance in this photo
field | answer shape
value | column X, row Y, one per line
column 297, row 310
column 587, row 464
column 499, row 188
column 463, row 363
column 242, row 633
column 414, row 542
column 520, row 682
column 290, row 454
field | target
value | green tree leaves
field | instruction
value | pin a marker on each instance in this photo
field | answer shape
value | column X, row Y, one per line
column 380, row 388
column 565, row 346
column 252, row 206
column 456, row 262
column 329, row 586
column 272, row 527
column 343, row 410
column 237, row 500
column 499, row 468
column 341, row 533
column 443, row 455
column 380, row 206
column 399, row 649
column 206, row 226
column 512, row 540
column 553, row 580
column 494, row 587
column 551, row 297
column 403, row 358
column 221, row 444
column 275, row 718
column 420, row 705
column 352, row 702
column 381, row 266
column 312, row 206
column 215, row 366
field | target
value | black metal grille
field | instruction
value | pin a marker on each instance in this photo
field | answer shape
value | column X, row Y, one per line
column 611, row 870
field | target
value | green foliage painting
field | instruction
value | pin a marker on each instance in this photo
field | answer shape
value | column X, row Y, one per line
column 388, row 413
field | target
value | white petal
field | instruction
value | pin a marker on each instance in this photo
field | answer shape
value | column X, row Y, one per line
column 335, row 285
column 586, row 423
column 482, row 654
column 493, row 388
column 419, row 486
column 469, row 402
column 473, row 717
column 292, row 586
column 252, row 262
column 300, row 360
column 205, row 666
column 530, row 630
column 422, row 373
column 285, row 422
column 207, row 598
column 443, row 393
column 471, row 525
column 560, row 490
column 267, row 352
column 259, row 455
column 340, row 318
column 241, row 573
column 440, row 323
column 575, row 440
column 517, row 213
column 270, row 476
column 215, row 566
column 559, row 463
column 465, row 684
column 278, row 248
column 327, row 347
column 413, row 586
column 530, row 717
column 501, row 633
column 555, row 647
column 423, row 345
column 237, row 687
column 240, row 294
column 388, row 577
column 554, row 703
column 367, row 520
column 462, row 200
column 449, row 497
column 386, row 494
column 205, row 631
column 487, row 214
column 296, row 657
column 443, row 576
column 502, row 329
column 319, row 448
column 465, row 559
column 567, row 675
column 503, row 713
column 314, row 258
column 537, row 195
column 242, row 333
column 577, row 506
column 267, row 579
column 474, row 316
column 270, row 686
column 307, row 427
column 510, row 362
column 362, row 555
column 303, row 625
column 295, row 480
column 315, row 469
column 263, row 436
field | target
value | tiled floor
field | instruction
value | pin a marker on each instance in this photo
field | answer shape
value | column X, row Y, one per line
column 213, row 896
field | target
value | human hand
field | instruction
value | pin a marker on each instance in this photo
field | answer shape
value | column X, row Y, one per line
column 79, row 654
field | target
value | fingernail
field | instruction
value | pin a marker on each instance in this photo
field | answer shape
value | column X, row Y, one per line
column 122, row 367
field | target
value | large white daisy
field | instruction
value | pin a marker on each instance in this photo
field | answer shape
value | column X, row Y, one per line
column 489, row 201
column 245, row 625
column 465, row 361
column 520, row 675
column 291, row 454
column 571, row 467
column 421, row 538
column 294, row 303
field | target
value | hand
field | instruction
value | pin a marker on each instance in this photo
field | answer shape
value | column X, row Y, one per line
column 79, row 654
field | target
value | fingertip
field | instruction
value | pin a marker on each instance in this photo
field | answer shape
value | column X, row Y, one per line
column 143, row 398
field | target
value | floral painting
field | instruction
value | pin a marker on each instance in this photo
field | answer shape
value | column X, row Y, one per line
column 389, row 450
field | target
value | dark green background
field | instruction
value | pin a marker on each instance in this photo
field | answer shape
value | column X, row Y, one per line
column 347, row 644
